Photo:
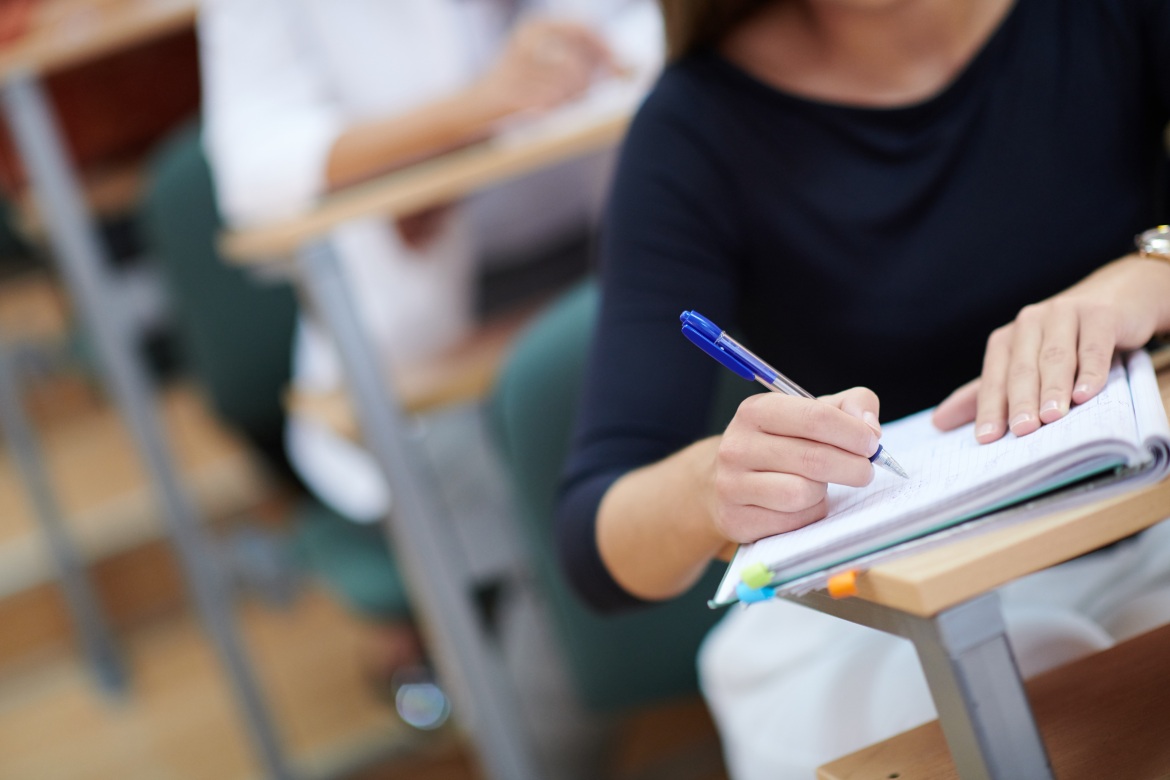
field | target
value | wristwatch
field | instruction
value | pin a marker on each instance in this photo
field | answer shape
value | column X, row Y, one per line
column 1154, row 243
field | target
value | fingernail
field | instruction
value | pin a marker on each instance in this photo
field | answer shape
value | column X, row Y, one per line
column 872, row 421
column 873, row 445
column 1020, row 419
column 1050, row 406
column 985, row 430
column 1082, row 389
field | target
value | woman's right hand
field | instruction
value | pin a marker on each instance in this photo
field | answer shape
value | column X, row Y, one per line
column 544, row 64
column 778, row 455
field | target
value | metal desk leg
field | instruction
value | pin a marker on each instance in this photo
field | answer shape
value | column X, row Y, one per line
column 973, row 679
column 490, row 709
column 81, row 260
column 96, row 638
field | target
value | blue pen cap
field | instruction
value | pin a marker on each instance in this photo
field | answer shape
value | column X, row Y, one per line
column 729, row 352
column 707, row 336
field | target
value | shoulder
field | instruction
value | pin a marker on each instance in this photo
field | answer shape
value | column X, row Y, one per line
column 685, row 115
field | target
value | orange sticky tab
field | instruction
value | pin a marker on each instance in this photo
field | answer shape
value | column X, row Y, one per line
column 843, row 585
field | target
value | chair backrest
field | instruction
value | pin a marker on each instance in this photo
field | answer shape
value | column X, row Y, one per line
column 618, row 660
column 235, row 333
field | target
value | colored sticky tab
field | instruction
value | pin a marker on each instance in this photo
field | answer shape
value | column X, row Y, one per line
column 843, row 585
column 749, row 595
column 756, row 576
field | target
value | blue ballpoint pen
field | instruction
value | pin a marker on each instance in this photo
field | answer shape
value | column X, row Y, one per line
column 716, row 343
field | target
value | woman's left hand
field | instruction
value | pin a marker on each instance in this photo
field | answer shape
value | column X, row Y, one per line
column 1057, row 352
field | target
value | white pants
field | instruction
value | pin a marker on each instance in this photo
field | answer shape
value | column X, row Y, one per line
column 791, row 689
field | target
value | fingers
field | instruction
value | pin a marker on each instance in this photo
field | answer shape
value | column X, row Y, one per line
column 779, row 454
column 1053, row 355
column 809, row 460
column 561, row 59
column 991, row 406
column 779, row 492
column 814, row 420
column 1094, row 353
column 588, row 44
column 859, row 402
column 1058, row 364
column 749, row 523
column 1023, row 374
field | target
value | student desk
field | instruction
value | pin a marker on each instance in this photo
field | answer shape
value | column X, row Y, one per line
column 422, row 535
column 942, row 601
column 63, row 34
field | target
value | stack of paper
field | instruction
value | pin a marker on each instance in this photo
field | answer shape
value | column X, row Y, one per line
column 1120, row 438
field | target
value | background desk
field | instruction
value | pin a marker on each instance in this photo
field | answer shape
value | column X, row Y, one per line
column 63, row 33
column 942, row 601
column 442, row 578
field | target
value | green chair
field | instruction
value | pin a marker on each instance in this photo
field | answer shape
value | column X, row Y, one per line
column 236, row 335
column 616, row 661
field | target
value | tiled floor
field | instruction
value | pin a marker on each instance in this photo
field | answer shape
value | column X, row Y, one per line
column 179, row 722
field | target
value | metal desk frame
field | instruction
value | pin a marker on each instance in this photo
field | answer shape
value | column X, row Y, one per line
column 98, row 644
column 467, row 657
column 470, row 660
column 976, row 686
column 81, row 260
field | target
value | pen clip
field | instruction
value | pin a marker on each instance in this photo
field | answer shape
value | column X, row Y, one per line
column 704, row 334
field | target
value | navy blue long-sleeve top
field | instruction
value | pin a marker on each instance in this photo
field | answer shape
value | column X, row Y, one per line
column 860, row 246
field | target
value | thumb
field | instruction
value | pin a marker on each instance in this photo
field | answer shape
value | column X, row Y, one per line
column 958, row 408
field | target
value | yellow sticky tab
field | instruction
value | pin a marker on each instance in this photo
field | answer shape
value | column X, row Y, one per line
column 843, row 585
column 756, row 576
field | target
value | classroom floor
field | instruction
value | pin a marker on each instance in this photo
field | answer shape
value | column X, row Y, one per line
column 179, row 722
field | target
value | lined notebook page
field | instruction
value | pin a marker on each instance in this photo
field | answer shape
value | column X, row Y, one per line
column 943, row 468
column 1147, row 398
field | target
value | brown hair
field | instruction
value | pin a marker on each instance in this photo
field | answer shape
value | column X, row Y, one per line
column 693, row 24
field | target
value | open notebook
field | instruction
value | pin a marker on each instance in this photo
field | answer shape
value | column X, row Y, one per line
column 1120, row 438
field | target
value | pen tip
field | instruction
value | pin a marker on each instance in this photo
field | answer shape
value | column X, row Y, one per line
column 892, row 466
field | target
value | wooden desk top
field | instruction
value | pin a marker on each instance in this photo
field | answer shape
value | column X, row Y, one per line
column 67, row 32
column 926, row 583
column 429, row 183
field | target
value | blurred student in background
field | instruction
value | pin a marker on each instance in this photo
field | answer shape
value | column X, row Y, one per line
column 306, row 96
column 900, row 194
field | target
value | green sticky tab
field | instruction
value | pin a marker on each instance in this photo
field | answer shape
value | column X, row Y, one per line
column 756, row 576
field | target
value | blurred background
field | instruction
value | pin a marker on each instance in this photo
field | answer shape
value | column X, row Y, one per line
column 174, row 602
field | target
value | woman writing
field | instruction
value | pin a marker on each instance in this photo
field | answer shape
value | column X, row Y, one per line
column 893, row 196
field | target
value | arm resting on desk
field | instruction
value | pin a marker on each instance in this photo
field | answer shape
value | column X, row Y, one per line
column 545, row 64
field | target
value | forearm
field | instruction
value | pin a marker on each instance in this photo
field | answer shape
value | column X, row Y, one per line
column 654, row 527
column 545, row 64
column 381, row 145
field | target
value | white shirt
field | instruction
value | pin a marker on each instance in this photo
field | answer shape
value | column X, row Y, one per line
column 282, row 81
